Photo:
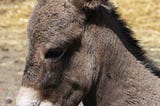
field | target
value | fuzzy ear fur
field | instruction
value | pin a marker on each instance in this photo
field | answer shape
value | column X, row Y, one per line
column 78, row 3
column 87, row 3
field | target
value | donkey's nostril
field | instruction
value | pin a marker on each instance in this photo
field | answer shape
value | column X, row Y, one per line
column 54, row 53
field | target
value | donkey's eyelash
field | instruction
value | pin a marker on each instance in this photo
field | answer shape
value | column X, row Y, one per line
column 55, row 53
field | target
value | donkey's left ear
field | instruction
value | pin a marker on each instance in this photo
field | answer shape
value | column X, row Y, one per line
column 88, row 3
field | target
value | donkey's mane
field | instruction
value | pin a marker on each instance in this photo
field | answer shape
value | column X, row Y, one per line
column 101, row 16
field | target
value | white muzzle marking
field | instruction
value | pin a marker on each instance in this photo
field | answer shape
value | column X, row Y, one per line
column 27, row 97
column 30, row 97
column 46, row 103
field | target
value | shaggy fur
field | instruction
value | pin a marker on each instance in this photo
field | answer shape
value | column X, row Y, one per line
column 101, row 16
column 81, row 50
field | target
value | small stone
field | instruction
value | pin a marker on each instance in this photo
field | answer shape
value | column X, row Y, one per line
column 9, row 100
column 5, row 49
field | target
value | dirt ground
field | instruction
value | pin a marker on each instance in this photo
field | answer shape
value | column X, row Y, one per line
column 142, row 15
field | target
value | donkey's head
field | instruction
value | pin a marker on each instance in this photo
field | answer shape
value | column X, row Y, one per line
column 60, row 67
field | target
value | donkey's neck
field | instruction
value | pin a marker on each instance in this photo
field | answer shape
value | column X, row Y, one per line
column 124, row 81
column 101, row 16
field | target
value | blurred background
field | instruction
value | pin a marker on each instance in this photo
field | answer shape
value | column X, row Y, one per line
column 143, row 16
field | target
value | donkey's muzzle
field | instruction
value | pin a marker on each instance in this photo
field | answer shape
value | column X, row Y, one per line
column 30, row 97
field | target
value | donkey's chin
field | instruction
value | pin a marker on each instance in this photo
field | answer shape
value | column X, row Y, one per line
column 30, row 97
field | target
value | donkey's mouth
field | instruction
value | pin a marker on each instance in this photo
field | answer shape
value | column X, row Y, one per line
column 30, row 97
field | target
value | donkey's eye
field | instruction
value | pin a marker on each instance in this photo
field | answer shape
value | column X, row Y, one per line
column 55, row 54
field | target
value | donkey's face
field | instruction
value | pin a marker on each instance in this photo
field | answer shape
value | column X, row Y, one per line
column 59, row 69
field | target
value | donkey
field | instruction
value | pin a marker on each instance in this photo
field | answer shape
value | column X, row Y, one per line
column 80, row 50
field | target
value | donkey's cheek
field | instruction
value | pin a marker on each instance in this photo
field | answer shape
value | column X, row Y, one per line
column 27, row 97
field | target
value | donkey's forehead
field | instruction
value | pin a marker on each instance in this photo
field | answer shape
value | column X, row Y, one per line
column 55, row 17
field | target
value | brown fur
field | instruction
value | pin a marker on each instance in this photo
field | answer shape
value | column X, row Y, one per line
column 94, row 67
column 123, row 81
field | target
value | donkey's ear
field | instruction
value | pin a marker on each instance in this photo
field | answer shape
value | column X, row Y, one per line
column 88, row 3
column 79, row 3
